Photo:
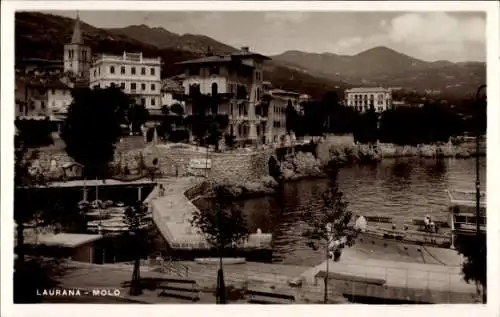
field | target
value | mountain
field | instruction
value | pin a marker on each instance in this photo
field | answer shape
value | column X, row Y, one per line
column 162, row 38
column 39, row 35
column 385, row 66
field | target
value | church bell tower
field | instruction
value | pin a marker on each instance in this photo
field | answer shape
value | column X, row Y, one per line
column 77, row 55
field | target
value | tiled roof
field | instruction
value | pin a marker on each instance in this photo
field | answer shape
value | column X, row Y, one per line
column 367, row 89
column 224, row 58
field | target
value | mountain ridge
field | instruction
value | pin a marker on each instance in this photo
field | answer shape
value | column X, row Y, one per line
column 312, row 73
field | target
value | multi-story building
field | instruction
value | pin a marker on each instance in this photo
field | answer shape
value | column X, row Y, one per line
column 42, row 97
column 278, row 102
column 237, row 79
column 139, row 77
column 77, row 55
column 363, row 99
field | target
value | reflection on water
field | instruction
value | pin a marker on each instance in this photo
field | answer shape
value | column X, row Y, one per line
column 401, row 188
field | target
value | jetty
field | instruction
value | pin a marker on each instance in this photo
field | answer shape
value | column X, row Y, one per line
column 172, row 213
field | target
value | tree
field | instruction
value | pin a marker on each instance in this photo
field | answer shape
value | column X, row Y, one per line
column 330, row 224
column 214, row 134
column 473, row 248
column 137, row 115
column 139, row 240
column 177, row 109
column 92, row 127
column 230, row 140
column 224, row 226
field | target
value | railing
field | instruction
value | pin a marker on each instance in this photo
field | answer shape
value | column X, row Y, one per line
column 391, row 284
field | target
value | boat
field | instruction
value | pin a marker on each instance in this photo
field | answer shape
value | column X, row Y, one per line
column 463, row 211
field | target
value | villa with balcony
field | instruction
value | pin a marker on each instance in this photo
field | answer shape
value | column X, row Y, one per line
column 229, row 85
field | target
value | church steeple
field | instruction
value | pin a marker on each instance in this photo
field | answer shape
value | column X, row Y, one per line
column 77, row 34
column 77, row 55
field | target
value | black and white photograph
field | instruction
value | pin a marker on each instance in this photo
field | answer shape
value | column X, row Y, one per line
column 197, row 156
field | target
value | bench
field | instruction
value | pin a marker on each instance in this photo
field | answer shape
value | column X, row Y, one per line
column 179, row 288
column 263, row 297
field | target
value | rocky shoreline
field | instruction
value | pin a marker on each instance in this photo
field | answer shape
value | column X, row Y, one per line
column 364, row 153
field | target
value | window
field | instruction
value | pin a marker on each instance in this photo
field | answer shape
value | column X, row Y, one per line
column 95, row 72
column 143, row 71
column 122, row 70
column 153, row 87
column 112, row 69
column 143, row 86
column 153, row 101
column 132, row 86
column 122, row 85
column 143, row 101
column 133, row 70
column 112, row 84
column 152, row 71
column 214, row 70
column 53, row 91
column 53, row 104
column 42, row 105
column 214, row 89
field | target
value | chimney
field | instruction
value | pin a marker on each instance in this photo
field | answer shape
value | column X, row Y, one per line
column 245, row 49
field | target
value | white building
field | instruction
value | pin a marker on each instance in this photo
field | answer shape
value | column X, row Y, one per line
column 279, row 101
column 138, row 76
column 77, row 56
column 363, row 99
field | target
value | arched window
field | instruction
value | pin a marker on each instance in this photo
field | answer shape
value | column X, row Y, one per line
column 214, row 89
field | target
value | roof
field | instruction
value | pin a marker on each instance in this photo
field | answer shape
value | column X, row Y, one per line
column 466, row 197
column 68, row 240
column 367, row 89
column 224, row 58
column 280, row 92
column 77, row 34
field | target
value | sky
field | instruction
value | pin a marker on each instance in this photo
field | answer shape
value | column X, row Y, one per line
column 430, row 36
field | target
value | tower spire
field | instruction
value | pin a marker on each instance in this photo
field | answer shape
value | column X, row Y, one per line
column 77, row 34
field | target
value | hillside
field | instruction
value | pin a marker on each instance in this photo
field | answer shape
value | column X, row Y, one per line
column 162, row 39
column 310, row 73
column 384, row 66
column 47, row 42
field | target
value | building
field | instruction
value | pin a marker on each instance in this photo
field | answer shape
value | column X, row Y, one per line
column 237, row 79
column 278, row 102
column 170, row 90
column 139, row 77
column 73, row 246
column 77, row 55
column 363, row 99
column 42, row 97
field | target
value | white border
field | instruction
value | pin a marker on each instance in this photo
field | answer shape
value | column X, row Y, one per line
column 7, row 159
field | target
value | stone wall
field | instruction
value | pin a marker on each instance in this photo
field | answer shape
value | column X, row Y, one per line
column 235, row 165
column 242, row 167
